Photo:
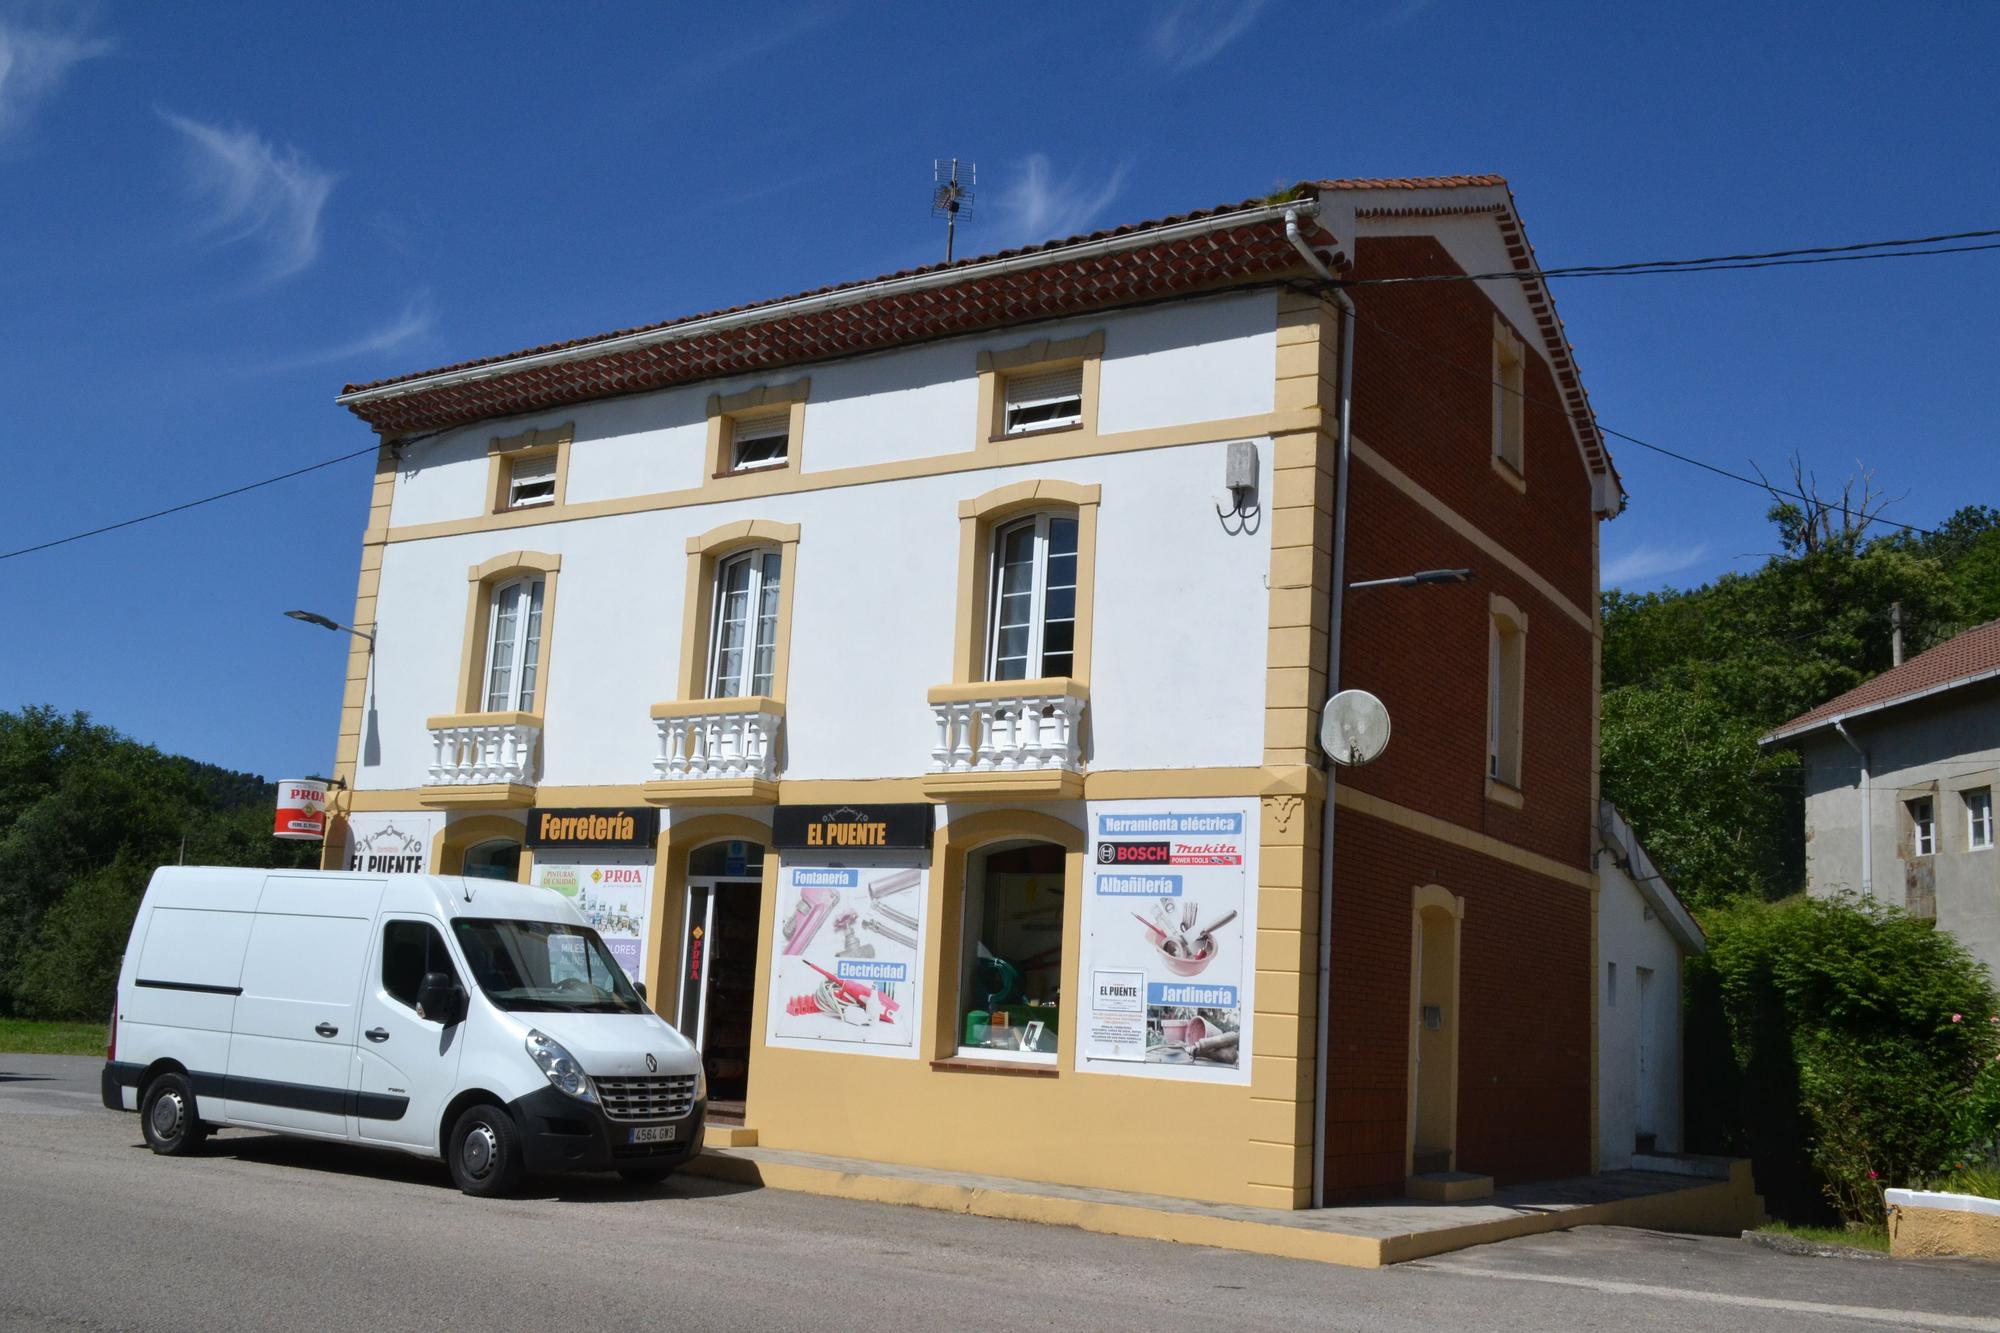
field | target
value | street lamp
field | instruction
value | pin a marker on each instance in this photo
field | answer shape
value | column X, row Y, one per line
column 1422, row 576
column 324, row 622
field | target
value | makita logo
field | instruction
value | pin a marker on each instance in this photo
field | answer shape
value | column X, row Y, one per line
column 1134, row 853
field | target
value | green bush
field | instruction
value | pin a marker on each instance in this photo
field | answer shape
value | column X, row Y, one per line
column 1843, row 1046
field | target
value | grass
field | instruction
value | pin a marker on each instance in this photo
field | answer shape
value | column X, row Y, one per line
column 27, row 1036
column 1871, row 1238
column 1980, row 1181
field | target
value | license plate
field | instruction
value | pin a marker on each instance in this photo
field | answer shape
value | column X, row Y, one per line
column 653, row 1134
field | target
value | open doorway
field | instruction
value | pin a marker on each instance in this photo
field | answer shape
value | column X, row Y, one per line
column 719, row 968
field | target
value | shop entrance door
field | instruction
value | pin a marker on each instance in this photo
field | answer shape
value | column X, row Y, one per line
column 719, row 968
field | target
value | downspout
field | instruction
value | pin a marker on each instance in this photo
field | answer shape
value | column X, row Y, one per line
column 1322, row 1021
column 1867, row 812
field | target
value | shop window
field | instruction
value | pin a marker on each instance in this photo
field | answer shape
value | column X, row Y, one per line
column 1978, row 819
column 1922, row 825
column 513, row 646
column 1032, row 634
column 498, row 859
column 1507, row 649
column 743, row 640
column 1011, row 964
column 411, row 950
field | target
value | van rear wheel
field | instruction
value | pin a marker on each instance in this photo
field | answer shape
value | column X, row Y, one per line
column 484, row 1152
column 166, row 1114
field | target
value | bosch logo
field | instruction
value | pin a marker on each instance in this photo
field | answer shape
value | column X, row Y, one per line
column 652, row 1065
column 1134, row 853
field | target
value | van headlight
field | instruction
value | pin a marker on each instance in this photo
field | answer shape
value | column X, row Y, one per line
column 700, row 1081
column 561, row 1067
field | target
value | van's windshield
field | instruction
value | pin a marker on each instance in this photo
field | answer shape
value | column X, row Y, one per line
column 545, row 967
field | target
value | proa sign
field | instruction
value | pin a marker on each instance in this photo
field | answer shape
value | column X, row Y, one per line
column 635, row 826
column 852, row 828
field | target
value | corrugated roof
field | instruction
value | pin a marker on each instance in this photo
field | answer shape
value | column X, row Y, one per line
column 1971, row 656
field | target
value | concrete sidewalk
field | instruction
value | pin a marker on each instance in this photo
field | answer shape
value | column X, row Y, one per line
column 1704, row 1196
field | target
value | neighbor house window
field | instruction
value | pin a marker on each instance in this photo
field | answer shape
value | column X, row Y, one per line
column 1923, row 826
column 1507, row 638
column 1011, row 963
column 1978, row 819
column 1032, row 634
column 760, row 442
column 743, row 641
column 513, row 646
column 1509, row 384
column 531, row 481
column 1043, row 399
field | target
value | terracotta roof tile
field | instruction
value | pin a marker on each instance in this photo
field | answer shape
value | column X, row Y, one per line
column 1970, row 656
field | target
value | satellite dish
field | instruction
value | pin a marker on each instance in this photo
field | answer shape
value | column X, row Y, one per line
column 1354, row 729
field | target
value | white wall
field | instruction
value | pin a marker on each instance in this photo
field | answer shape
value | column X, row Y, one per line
column 1630, row 942
column 1207, row 360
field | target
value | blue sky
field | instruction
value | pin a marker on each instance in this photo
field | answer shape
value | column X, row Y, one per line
column 212, row 218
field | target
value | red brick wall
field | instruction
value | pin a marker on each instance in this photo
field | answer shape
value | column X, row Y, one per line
column 1525, row 982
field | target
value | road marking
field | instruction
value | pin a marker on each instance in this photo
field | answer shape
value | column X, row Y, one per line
column 1901, row 1318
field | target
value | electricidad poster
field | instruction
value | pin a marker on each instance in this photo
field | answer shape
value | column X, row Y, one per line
column 613, row 891
column 1167, row 929
column 846, row 962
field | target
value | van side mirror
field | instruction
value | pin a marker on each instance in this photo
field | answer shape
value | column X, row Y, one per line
column 439, row 998
column 640, row 987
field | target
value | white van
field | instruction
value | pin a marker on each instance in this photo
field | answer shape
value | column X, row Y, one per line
column 469, row 1019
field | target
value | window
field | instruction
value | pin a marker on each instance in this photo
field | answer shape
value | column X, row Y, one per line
column 1044, row 399
column 513, row 646
column 1923, row 826
column 743, row 643
column 1507, row 637
column 1011, row 964
column 531, row 481
column 1032, row 633
column 1509, row 386
column 410, row 950
column 1978, row 818
column 760, row 442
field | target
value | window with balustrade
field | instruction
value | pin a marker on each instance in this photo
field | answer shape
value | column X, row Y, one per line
column 514, row 646
column 743, row 638
column 1031, row 631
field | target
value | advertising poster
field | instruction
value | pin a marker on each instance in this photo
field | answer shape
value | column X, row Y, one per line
column 613, row 890
column 397, row 844
column 1167, row 939
column 848, row 956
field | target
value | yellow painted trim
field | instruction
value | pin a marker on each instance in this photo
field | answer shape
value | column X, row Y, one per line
column 504, row 451
column 1026, row 449
column 1085, row 351
column 1473, row 841
column 1501, row 793
column 461, row 835
column 1047, row 784
column 711, row 791
column 679, row 840
column 481, row 580
column 483, row 720
column 749, row 703
column 484, row 795
column 1067, row 686
column 954, row 842
column 728, row 411
column 1450, row 517
column 977, row 519
column 705, row 553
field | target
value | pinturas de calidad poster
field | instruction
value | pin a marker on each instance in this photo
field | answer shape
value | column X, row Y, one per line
column 1167, row 927
column 613, row 891
column 847, row 959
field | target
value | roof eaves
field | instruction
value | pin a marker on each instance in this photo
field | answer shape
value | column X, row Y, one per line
column 1791, row 730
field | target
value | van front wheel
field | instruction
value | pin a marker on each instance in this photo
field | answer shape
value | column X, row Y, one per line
column 484, row 1152
column 166, row 1113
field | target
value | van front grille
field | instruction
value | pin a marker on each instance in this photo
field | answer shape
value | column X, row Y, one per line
column 647, row 1097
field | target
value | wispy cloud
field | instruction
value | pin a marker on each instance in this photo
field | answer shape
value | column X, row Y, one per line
column 1036, row 206
column 34, row 62
column 256, row 194
column 1643, row 564
column 416, row 320
column 1190, row 33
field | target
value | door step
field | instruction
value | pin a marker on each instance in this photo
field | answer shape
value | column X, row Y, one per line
column 1448, row 1186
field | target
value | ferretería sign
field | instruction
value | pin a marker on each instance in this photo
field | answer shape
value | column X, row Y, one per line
column 631, row 826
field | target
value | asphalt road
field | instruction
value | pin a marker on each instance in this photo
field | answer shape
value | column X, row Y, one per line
column 260, row 1231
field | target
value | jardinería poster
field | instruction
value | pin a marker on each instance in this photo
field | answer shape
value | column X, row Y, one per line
column 1166, row 969
column 848, row 956
column 613, row 890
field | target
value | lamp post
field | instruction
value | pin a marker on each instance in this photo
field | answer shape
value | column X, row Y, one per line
column 1417, row 579
column 326, row 622
column 372, row 742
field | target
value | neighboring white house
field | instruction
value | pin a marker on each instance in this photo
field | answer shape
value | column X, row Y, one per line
column 1644, row 933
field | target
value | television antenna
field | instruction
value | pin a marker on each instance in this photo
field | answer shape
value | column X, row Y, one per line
column 951, row 197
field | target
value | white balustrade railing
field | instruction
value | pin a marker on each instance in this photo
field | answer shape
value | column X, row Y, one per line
column 471, row 753
column 719, row 742
column 1007, row 733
